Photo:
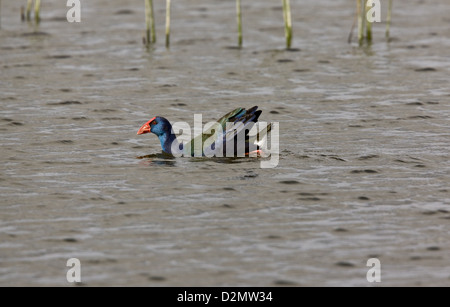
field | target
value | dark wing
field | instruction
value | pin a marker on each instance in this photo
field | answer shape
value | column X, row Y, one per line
column 241, row 122
column 236, row 136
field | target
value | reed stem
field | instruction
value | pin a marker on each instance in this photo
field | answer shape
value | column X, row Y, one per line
column 360, row 22
column 28, row 10
column 167, row 23
column 147, row 22
column 368, row 23
column 37, row 11
column 287, row 23
column 388, row 20
column 152, row 18
column 239, row 22
column 150, row 23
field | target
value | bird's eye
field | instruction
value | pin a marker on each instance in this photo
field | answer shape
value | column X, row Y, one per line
column 153, row 123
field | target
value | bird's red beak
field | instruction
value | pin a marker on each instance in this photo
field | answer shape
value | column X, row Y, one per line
column 145, row 127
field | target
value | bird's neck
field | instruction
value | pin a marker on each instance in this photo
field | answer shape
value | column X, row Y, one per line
column 169, row 142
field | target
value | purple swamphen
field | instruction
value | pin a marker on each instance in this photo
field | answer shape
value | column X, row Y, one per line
column 232, row 130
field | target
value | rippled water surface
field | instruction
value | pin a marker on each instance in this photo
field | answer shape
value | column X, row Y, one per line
column 364, row 163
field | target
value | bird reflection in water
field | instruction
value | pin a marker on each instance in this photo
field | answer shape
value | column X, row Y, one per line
column 157, row 159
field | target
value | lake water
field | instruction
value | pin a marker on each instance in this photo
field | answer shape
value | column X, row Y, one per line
column 364, row 166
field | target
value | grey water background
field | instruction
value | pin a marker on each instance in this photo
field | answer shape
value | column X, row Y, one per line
column 364, row 163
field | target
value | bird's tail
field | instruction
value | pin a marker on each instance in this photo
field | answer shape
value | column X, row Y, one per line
column 260, row 138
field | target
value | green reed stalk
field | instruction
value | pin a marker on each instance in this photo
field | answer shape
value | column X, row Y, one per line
column 167, row 23
column 287, row 23
column 37, row 11
column 239, row 22
column 147, row 22
column 150, row 22
column 368, row 23
column 28, row 11
column 388, row 20
column 360, row 22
